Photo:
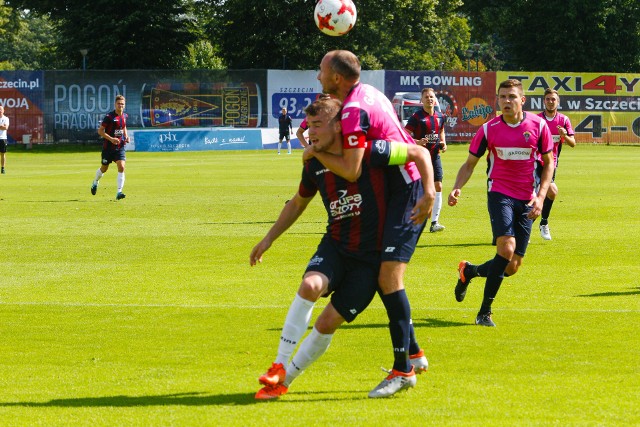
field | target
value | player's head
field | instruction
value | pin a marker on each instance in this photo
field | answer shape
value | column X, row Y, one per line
column 323, row 119
column 428, row 97
column 119, row 103
column 339, row 71
column 551, row 100
column 284, row 111
column 1, row 110
column 511, row 99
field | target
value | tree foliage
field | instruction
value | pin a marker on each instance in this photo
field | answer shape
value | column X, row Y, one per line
column 561, row 35
column 394, row 34
column 119, row 35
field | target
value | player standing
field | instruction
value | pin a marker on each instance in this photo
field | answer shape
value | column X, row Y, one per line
column 113, row 130
column 561, row 130
column 513, row 140
column 426, row 126
column 285, row 128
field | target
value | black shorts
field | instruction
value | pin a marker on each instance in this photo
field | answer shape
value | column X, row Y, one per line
column 284, row 135
column 437, row 169
column 400, row 235
column 111, row 155
column 539, row 175
column 3, row 145
column 509, row 218
column 352, row 282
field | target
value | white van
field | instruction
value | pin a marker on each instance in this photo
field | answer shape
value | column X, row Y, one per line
column 407, row 103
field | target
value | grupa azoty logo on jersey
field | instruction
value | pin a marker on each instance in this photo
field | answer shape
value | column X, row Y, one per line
column 346, row 205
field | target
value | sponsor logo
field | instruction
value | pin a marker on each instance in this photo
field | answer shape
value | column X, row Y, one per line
column 345, row 204
column 506, row 153
column 316, row 260
column 390, row 249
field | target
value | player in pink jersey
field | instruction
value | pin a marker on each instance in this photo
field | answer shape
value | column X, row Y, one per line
column 562, row 132
column 514, row 141
column 367, row 115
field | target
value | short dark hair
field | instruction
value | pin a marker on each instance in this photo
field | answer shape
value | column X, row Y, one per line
column 511, row 83
column 549, row 91
column 324, row 104
column 428, row 89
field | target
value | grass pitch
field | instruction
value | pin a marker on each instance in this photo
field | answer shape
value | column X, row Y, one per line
column 145, row 312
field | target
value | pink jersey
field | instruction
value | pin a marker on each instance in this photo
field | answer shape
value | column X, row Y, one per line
column 562, row 121
column 512, row 153
column 367, row 115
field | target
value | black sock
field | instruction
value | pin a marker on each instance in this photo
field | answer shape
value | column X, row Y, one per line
column 494, row 280
column 399, row 313
column 483, row 269
column 546, row 210
column 414, row 348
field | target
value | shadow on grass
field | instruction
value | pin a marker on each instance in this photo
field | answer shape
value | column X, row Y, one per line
column 457, row 245
column 182, row 399
column 634, row 291
column 417, row 323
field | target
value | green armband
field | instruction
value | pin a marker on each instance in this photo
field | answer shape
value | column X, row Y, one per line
column 398, row 153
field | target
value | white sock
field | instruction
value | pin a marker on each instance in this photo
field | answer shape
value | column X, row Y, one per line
column 310, row 350
column 437, row 206
column 288, row 146
column 295, row 325
column 99, row 175
column 120, row 181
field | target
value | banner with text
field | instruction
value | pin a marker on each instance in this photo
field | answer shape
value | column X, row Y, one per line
column 78, row 101
column 22, row 96
column 467, row 98
column 602, row 107
column 196, row 139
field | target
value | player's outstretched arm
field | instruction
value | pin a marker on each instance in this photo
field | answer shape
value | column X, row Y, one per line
column 288, row 216
column 301, row 138
column 465, row 172
column 421, row 157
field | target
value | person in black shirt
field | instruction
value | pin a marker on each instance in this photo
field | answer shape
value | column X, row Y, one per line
column 286, row 128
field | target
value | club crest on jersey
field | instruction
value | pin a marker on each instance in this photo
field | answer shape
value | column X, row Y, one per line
column 381, row 146
column 526, row 135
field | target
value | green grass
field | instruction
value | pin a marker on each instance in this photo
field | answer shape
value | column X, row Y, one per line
column 145, row 312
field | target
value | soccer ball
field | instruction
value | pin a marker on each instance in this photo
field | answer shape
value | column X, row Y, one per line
column 335, row 17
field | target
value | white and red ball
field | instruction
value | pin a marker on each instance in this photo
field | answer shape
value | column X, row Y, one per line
column 335, row 17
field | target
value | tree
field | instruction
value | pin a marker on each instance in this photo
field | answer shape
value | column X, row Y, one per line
column 394, row 34
column 577, row 35
column 141, row 34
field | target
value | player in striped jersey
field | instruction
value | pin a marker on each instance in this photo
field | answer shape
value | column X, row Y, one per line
column 426, row 126
column 347, row 260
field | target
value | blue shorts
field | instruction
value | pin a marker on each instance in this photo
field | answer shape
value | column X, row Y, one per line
column 112, row 155
column 509, row 218
column 352, row 282
column 400, row 235
column 438, row 174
